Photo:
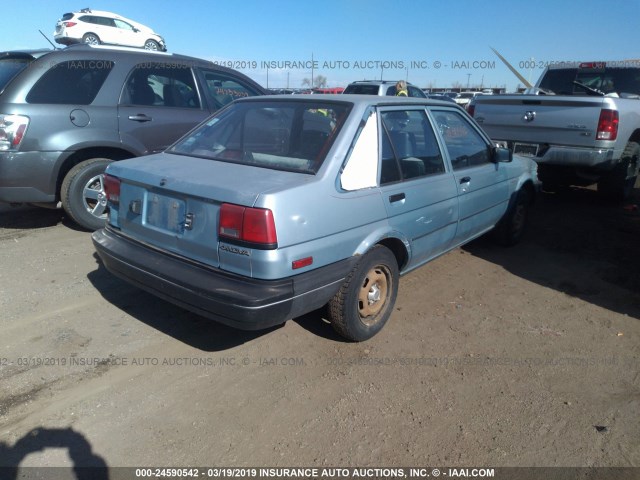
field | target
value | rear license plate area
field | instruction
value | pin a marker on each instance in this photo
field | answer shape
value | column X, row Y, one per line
column 165, row 213
column 526, row 149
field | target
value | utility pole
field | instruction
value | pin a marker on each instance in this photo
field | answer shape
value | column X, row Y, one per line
column 468, row 77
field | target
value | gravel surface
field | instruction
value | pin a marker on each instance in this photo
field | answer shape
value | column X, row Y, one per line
column 526, row 356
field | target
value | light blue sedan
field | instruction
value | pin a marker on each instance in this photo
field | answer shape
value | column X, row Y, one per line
column 277, row 206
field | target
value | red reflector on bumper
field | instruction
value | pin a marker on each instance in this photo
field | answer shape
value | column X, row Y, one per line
column 303, row 262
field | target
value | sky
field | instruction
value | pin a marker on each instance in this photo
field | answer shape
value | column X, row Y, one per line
column 430, row 43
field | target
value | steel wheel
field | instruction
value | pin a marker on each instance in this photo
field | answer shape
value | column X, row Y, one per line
column 374, row 294
column 365, row 300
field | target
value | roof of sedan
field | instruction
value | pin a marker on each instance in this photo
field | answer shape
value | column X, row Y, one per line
column 355, row 99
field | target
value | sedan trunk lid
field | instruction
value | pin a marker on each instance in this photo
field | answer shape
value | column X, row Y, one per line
column 175, row 206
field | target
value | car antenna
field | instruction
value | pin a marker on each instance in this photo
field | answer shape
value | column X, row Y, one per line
column 47, row 39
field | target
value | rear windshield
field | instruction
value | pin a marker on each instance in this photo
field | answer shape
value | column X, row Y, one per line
column 606, row 80
column 361, row 89
column 10, row 67
column 285, row 135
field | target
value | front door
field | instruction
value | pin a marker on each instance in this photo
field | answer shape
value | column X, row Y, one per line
column 483, row 187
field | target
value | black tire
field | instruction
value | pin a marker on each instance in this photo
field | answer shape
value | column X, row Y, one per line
column 618, row 184
column 151, row 45
column 556, row 187
column 91, row 39
column 365, row 300
column 513, row 225
column 82, row 193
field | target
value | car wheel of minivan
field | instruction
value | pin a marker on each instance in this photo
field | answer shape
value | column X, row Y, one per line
column 91, row 39
column 151, row 45
column 365, row 301
column 82, row 193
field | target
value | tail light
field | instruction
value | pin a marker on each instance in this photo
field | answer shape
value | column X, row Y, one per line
column 251, row 227
column 111, row 188
column 69, row 24
column 607, row 125
column 593, row 65
column 471, row 109
column 12, row 130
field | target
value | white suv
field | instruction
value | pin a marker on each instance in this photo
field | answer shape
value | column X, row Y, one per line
column 96, row 27
column 464, row 98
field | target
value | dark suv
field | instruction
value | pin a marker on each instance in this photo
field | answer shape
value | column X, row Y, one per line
column 66, row 114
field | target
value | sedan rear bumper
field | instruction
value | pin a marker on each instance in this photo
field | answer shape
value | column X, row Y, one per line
column 241, row 302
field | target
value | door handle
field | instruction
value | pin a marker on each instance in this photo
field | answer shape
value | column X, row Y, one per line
column 397, row 197
column 141, row 117
column 465, row 179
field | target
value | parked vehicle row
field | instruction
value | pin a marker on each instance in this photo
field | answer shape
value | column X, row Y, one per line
column 231, row 221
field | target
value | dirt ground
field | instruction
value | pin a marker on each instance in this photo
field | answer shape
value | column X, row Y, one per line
column 526, row 356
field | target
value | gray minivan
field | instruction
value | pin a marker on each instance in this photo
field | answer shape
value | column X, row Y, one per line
column 66, row 114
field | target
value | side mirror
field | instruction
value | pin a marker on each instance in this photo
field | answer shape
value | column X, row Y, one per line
column 501, row 155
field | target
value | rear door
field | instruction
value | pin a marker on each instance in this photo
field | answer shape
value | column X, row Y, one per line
column 418, row 191
column 104, row 27
column 159, row 103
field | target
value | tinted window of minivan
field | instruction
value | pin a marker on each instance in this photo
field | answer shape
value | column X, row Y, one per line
column 10, row 67
column 75, row 82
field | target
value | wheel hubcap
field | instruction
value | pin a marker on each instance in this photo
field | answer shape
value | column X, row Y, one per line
column 94, row 197
column 373, row 294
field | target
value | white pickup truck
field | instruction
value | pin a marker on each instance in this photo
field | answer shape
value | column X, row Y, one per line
column 580, row 123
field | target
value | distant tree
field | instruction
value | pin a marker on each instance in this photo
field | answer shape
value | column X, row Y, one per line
column 320, row 81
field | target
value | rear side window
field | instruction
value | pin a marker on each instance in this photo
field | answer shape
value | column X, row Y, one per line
column 10, row 67
column 409, row 147
column 76, row 82
column 104, row 21
column 416, row 92
column 362, row 89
